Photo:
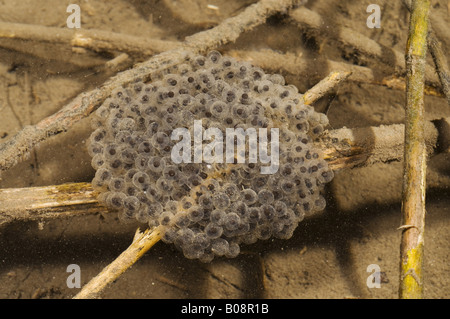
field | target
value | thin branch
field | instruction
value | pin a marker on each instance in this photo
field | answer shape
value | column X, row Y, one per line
column 119, row 63
column 441, row 64
column 325, row 86
column 20, row 145
column 440, row 61
column 142, row 242
column 230, row 29
column 47, row 202
column 95, row 40
column 347, row 148
column 443, row 126
column 313, row 21
column 414, row 179
column 292, row 64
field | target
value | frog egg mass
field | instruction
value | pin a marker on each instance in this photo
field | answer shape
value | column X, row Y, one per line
column 216, row 151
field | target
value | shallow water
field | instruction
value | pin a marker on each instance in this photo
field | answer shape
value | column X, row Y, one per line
column 328, row 255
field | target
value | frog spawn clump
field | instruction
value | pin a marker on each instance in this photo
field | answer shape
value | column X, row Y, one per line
column 206, row 209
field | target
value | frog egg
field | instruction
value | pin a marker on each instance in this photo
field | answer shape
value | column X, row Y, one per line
column 233, row 250
column 218, row 216
column 116, row 184
column 265, row 197
column 166, row 218
column 249, row 196
column 213, row 231
column 221, row 200
column 220, row 246
column 231, row 221
column 231, row 191
column 208, row 209
column 115, row 200
column 195, row 213
column 156, row 164
column 141, row 180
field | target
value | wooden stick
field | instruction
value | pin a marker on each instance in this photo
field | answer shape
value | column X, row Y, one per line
column 142, row 242
column 325, row 86
column 290, row 63
column 96, row 40
column 119, row 63
column 441, row 64
column 20, row 145
column 47, row 202
column 313, row 21
column 347, row 148
column 413, row 203
column 440, row 61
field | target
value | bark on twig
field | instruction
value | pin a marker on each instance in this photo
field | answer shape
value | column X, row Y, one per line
column 346, row 148
column 20, row 145
column 119, row 63
column 414, row 179
column 441, row 64
column 142, row 242
column 95, row 40
column 325, row 86
column 290, row 63
column 47, row 202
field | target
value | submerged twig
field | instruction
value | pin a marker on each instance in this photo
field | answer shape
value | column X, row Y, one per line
column 325, row 86
column 95, row 40
column 348, row 37
column 346, row 148
column 20, row 145
column 292, row 64
column 142, row 242
column 441, row 64
column 47, row 202
column 414, row 179
column 119, row 63
column 440, row 61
